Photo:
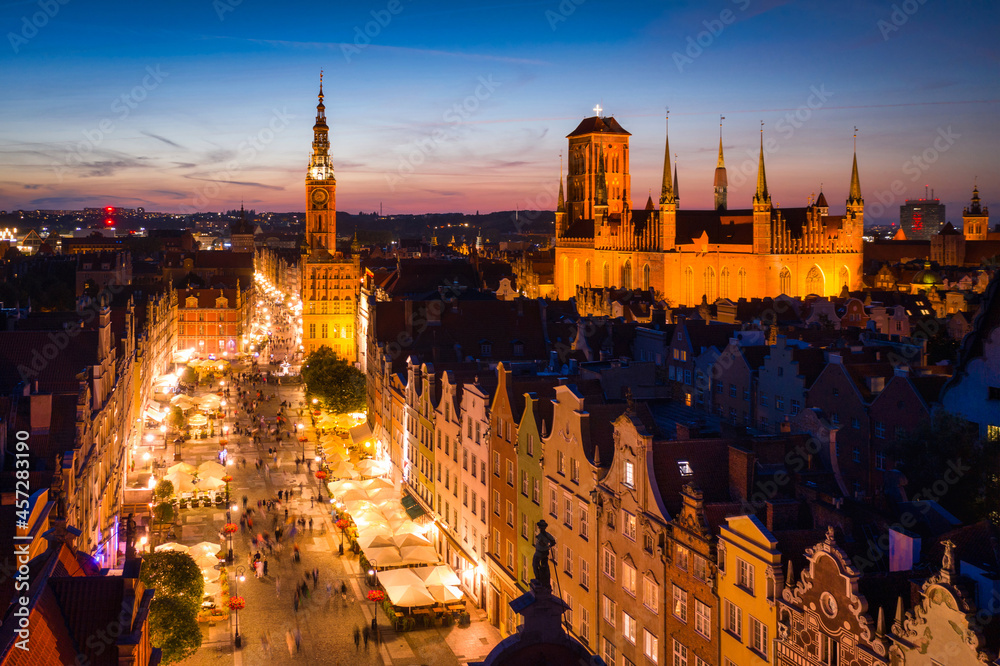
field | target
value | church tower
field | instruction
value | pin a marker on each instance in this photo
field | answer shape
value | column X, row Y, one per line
column 721, row 179
column 668, row 200
column 561, row 221
column 597, row 142
column 975, row 218
column 761, row 207
column 855, row 204
column 321, row 187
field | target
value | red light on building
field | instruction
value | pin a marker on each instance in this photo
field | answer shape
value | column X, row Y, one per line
column 109, row 209
column 918, row 222
column 109, row 222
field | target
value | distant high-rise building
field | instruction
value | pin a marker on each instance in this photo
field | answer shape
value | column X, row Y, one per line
column 921, row 218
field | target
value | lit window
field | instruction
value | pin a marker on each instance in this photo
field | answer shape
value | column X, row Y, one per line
column 628, row 474
column 628, row 627
column 734, row 619
column 650, row 646
column 628, row 578
column 685, row 468
column 650, row 594
column 609, row 564
column 703, row 619
column 758, row 636
column 628, row 524
column 744, row 575
column 680, row 654
column 679, row 605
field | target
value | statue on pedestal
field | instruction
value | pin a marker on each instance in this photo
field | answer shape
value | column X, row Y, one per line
column 544, row 543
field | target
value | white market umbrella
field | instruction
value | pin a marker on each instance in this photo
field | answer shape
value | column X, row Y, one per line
column 211, row 483
column 337, row 487
column 172, row 546
column 384, row 557
column 182, row 482
column 380, row 494
column 409, row 596
column 211, row 468
column 375, row 484
column 205, row 547
column 206, row 561
column 360, row 506
column 399, row 578
column 419, row 554
column 198, row 420
column 374, row 528
column 445, row 594
column 186, row 468
column 375, row 541
column 353, row 495
column 408, row 528
column 213, row 588
column 344, row 470
column 402, row 540
column 370, row 467
column 439, row 575
column 182, row 401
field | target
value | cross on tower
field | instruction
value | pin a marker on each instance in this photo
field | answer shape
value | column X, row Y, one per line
column 597, row 110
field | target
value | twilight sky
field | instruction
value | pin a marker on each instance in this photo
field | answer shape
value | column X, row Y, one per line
column 457, row 106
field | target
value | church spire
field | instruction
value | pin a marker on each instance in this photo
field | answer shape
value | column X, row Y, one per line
column 667, row 190
column 721, row 178
column 761, row 196
column 677, row 190
column 319, row 163
column 854, row 196
column 561, row 207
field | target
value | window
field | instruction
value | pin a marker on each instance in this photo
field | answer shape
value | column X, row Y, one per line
column 536, row 490
column 610, row 610
column 763, row 400
column 628, row 627
column 680, row 604
column 574, row 466
column 561, row 462
column 510, row 555
column 482, row 510
column 524, row 483
column 700, row 567
column 482, row 472
column 584, row 523
column 684, row 467
column 553, row 503
column 779, row 403
column 496, row 463
column 732, row 390
column 610, row 653
column 496, row 502
column 650, row 646
column 879, row 430
column 680, row 654
column 465, row 463
column 628, row 524
column 510, row 473
column 609, row 564
column 744, row 575
column 496, row 543
column 856, row 454
column 628, row 578
column 473, row 502
column 703, row 619
column 836, row 392
column 835, row 418
column 568, row 562
column 628, row 474
column 828, row 650
column 734, row 619
column 681, row 557
column 465, row 495
column 531, row 445
column 510, row 513
column 524, row 568
column 650, row 594
column 584, row 574
column 796, row 407
column 758, row 636
column 584, row 624
column 879, row 460
column 524, row 526
column 474, row 466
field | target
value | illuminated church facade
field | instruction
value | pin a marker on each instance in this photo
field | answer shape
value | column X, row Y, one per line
column 330, row 280
column 686, row 255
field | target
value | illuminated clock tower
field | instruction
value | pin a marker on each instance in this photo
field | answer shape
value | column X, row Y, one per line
column 330, row 284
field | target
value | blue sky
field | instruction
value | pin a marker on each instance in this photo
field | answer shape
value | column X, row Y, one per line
column 457, row 106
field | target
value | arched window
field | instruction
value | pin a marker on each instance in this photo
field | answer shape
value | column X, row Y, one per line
column 606, row 275
column 645, row 277
column 586, row 274
column 724, row 283
column 709, row 280
column 688, row 286
column 814, row 281
column 785, row 282
column 741, row 283
column 845, row 277
column 627, row 275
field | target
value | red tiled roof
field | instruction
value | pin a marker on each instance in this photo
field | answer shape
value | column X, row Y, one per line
column 595, row 124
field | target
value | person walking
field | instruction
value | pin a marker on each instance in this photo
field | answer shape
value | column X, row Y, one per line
column 295, row 601
column 298, row 639
column 310, row 524
column 244, row 502
column 367, row 635
column 357, row 638
column 265, row 565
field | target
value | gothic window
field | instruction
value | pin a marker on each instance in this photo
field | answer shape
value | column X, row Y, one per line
column 785, row 282
column 741, row 283
column 688, row 286
column 710, row 293
column 627, row 275
column 586, row 274
column 814, row 281
column 607, row 275
column 645, row 277
column 724, row 283
column 845, row 276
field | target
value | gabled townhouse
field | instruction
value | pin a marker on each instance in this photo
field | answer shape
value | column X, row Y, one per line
column 692, row 339
column 632, row 524
column 421, row 397
column 576, row 456
column 788, row 370
column 726, row 379
column 475, row 433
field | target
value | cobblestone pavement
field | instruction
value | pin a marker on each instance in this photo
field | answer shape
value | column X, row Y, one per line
column 325, row 624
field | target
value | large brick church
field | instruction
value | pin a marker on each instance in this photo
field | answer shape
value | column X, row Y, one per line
column 688, row 255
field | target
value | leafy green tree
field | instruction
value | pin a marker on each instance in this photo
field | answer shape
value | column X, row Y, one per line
column 190, row 375
column 164, row 490
column 338, row 384
column 173, row 627
column 946, row 460
column 173, row 574
column 176, row 417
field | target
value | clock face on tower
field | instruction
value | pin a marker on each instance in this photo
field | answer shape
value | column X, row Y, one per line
column 319, row 197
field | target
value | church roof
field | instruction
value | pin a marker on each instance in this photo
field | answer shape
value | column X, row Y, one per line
column 949, row 230
column 821, row 200
column 596, row 124
column 733, row 227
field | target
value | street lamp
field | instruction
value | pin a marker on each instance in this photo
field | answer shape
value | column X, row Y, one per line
column 373, row 572
column 240, row 576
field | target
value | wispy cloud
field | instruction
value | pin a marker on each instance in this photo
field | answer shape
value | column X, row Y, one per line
column 160, row 138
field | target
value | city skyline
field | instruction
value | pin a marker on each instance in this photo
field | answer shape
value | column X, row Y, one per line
column 449, row 108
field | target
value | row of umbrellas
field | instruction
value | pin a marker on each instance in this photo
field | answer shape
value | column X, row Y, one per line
column 421, row 586
column 183, row 475
column 209, row 401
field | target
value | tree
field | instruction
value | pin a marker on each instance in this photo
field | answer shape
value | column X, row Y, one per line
column 173, row 574
column 173, row 627
column 164, row 490
column 947, row 461
column 338, row 384
column 190, row 375
column 176, row 417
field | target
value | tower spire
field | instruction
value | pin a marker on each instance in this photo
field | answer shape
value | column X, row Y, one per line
column 761, row 196
column 721, row 178
column 677, row 190
column 319, row 164
column 667, row 189
column 561, row 207
column 855, row 194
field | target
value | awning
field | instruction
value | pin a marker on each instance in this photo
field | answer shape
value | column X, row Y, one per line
column 153, row 414
column 360, row 433
column 413, row 508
